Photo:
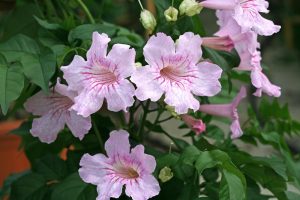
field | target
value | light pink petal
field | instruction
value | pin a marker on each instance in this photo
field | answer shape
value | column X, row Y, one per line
column 117, row 144
column 207, row 81
column 63, row 90
column 38, row 104
column 265, row 27
column 252, row 20
column 219, row 4
column 87, row 103
column 182, row 100
column 78, row 124
column 147, row 161
column 241, row 95
column 47, row 127
column 98, row 48
column 256, row 78
column 236, row 129
column 145, row 188
column 93, row 168
column 123, row 58
column 157, row 47
column 147, row 88
column 109, row 188
column 72, row 73
column 189, row 45
column 121, row 97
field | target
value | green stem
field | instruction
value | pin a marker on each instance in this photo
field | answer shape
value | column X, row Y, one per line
column 87, row 12
column 141, row 5
column 141, row 128
column 164, row 120
column 96, row 130
column 171, row 138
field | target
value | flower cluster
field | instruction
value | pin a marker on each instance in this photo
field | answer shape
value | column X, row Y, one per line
column 175, row 73
column 240, row 20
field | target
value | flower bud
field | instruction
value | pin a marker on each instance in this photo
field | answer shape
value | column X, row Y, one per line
column 148, row 20
column 190, row 7
column 138, row 64
column 171, row 14
column 172, row 111
column 165, row 174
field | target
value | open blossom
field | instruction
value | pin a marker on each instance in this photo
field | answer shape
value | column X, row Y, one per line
column 55, row 112
column 102, row 76
column 122, row 167
column 247, row 46
column 246, row 13
column 197, row 125
column 175, row 70
column 229, row 111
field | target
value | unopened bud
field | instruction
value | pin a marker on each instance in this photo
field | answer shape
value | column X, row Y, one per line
column 171, row 14
column 148, row 20
column 138, row 64
column 172, row 111
column 165, row 174
column 190, row 8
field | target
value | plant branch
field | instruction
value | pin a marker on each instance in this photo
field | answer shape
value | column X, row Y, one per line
column 96, row 130
column 87, row 12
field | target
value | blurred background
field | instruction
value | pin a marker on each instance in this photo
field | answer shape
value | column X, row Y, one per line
column 281, row 52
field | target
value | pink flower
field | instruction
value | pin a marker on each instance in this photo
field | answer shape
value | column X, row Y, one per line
column 174, row 70
column 55, row 112
column 196, row 125
column 263, row 84
column 229, row 111
column 102, row 76
column 218, row 43
column 122, row 167
column 246, row 13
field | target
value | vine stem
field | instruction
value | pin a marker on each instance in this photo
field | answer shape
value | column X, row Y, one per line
column 141, row 128
column 96, row 130
column 87, row 12
column 141, row 5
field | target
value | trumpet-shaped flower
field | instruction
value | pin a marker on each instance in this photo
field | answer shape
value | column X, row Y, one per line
column 219, row 43
column 247, row 14
column 174, row 70
column 229, row 111
column 196, row 125
column 55, row 112
column 102, row 76
column 122, row 167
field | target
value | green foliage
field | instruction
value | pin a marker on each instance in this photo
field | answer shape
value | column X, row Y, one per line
column 11, row 82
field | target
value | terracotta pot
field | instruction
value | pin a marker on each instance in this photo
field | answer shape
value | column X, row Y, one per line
column 12, row 160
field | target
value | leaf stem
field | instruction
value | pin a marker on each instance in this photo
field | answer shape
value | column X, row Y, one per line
column 87, row 12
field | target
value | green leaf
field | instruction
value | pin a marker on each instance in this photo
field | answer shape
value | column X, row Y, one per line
column 30, row 186
column 11, row 83
column 19, row 20
column 74, row 188
column 51, row 167
column 38, row 67
column 45, row 24
column 231, row 187
column 233, row 184
column 84, row 32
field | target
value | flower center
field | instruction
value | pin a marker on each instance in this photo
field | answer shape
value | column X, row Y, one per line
column 173, row 74
column 127, row 172
column 100, row 76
